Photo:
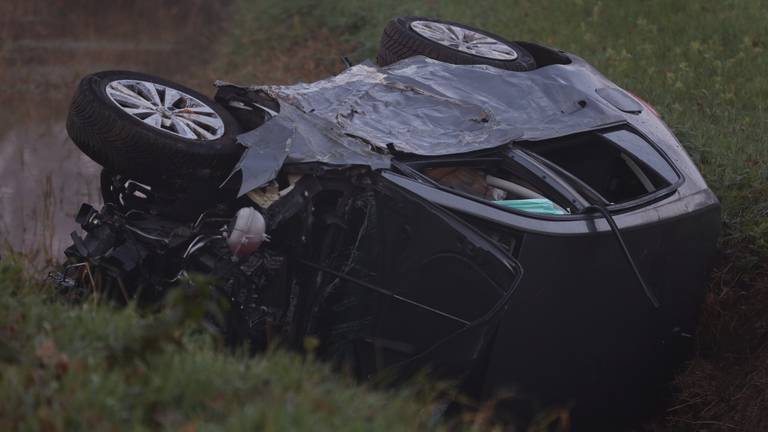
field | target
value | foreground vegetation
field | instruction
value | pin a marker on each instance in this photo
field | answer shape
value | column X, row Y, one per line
column 91, row 367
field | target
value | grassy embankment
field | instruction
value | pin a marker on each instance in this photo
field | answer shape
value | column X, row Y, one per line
column 90, row 367
column 701, row 65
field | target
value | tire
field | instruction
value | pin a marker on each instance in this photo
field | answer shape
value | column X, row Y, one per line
column 125, row 144
column 400, row 41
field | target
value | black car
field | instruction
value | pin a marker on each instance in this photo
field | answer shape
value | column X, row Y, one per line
column 496, row 211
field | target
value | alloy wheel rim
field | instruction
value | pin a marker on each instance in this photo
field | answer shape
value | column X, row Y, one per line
column 464, row 40
column 166, row 108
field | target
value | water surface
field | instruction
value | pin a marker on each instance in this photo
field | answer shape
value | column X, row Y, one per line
column 45, row 48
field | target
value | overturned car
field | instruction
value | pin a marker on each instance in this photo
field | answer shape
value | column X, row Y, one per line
column 496, row 211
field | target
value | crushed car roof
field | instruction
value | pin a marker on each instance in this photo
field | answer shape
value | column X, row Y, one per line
column 421, row 106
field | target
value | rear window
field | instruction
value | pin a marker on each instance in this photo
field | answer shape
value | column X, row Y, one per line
column 619, row 165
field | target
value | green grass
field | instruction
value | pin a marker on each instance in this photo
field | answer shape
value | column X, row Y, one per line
column 91, row 367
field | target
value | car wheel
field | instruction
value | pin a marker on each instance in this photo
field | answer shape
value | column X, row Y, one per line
column 152, row 129
column 450, row 42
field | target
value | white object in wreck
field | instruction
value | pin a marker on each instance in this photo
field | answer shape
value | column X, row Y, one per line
column 247, row 232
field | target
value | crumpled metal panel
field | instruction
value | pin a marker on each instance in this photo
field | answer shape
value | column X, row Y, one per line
column 424, row 107
column 294, row 136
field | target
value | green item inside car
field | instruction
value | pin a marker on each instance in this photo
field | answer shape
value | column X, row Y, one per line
column 533, row 205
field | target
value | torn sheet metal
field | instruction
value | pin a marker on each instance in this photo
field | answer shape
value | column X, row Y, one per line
column 424, row 107
column 294, row 136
